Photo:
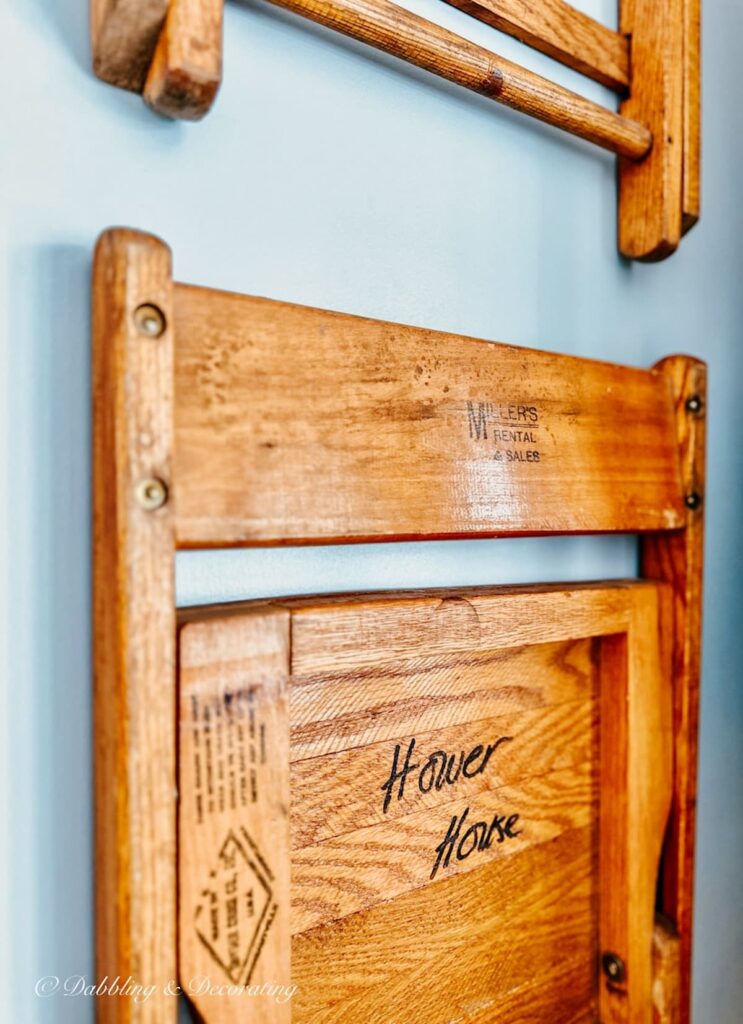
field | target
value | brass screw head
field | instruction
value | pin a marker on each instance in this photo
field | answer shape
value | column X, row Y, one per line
column 151, row 493
column 694, row 404
column 613, row 967
column 149, row 320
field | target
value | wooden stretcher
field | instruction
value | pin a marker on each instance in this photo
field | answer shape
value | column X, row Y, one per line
column 465, row 805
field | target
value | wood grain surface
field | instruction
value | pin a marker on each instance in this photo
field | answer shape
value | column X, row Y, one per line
column 518, row 737
column 134, row 629
column 458, row 950
column 636, row 785
column 678, row 558
column 666, row 973
column 234, row 815
column 369, row 866
column 394, row 913
column 299, row 425
column 561, row 31
column 330, row 714
column 651, row 191
column 186, row 68
column 124, row 34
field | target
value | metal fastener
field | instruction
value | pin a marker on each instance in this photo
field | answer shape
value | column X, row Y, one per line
column 613, row 967
column 149, row 320
column 693, row 500
column 694, row 404
column 151, row 493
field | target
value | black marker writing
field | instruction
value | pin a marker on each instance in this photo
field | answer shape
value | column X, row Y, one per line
column 437, row 770
column 479, row 836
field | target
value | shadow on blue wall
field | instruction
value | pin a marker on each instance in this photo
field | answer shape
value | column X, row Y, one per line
column 50, row 465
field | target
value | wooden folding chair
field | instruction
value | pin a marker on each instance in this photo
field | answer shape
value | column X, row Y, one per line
column 463, row 805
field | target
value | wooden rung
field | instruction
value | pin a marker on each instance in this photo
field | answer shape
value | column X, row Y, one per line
column 403, row 34
column 299, row 425
column 559, row 30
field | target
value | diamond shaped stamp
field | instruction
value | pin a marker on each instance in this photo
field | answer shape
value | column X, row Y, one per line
column 237, row 907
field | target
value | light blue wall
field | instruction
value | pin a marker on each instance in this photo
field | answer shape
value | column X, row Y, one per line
column 330, row 176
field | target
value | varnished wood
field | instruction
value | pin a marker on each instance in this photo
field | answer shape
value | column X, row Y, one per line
column 572, row 723
column 371, row 419
column 445, row 622
column 651, row 192
column 330, row 714
column 365, row 915
column 666, row 970
column 234, row 814
column 561, row 31
column 678, row 558
column 692, row 169
column 393, row 29
column 186, row 67
column 298, row 425
column 363, row 868
column 134, row 629
column 636, row 783
column 455, row 951
column 123, row 38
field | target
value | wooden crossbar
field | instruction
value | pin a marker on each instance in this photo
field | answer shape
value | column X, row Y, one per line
column 559, row 30
column 392, row 29
column 410, row 433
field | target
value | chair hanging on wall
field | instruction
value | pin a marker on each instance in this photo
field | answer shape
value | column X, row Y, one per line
column 223, row 420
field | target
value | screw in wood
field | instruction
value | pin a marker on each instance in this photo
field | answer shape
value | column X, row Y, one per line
column 151, row 493
column 694, row 404
column 613, row 967
column 693, row 500
column 149, row 320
